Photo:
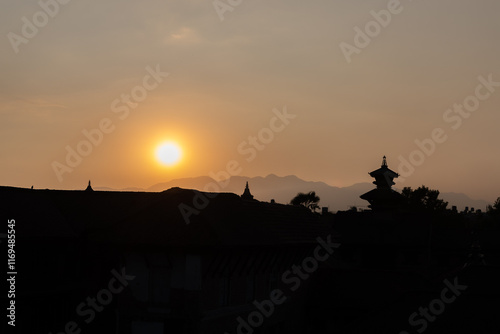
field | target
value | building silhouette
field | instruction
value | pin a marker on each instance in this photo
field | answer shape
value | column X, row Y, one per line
column 383, row 198
column 213, row 275
column 246, row 194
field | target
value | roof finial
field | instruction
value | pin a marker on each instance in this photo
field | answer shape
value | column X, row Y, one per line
column 384, row 162
column 89, row 187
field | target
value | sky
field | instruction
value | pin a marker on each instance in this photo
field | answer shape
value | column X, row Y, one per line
column 319, row 89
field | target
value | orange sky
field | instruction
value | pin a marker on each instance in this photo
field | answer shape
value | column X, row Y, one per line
column 225, row 78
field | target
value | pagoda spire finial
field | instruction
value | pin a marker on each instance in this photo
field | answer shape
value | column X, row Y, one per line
column 384, row 162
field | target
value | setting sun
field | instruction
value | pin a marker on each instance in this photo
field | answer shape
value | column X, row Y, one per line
column 168, row 153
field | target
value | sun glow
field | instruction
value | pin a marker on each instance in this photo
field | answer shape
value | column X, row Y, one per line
column 168, row 153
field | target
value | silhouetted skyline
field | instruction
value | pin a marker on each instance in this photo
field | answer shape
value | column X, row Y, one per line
column 146, row 72
column 266, row 167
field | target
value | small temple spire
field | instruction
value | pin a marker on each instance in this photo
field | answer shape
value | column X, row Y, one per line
column 246, row 194
column 89, row 187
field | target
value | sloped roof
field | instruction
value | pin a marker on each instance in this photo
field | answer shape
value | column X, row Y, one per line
column 382, row 171
column 155, row 218
column 226, row 220
column 382, row 194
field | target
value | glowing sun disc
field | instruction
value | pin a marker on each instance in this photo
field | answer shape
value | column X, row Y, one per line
column 168, row 153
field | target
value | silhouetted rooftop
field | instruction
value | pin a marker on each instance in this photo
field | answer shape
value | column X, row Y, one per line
column 155, row 218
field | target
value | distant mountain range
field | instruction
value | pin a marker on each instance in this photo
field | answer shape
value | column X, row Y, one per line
column 283, row 188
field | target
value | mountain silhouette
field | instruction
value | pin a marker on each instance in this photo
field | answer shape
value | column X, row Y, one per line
column 283, row 188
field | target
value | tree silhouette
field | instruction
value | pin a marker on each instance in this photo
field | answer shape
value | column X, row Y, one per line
column 495, row 208
column 309, row 200
column 424, row 199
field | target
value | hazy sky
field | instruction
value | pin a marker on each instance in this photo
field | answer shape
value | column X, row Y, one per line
column 358, row 88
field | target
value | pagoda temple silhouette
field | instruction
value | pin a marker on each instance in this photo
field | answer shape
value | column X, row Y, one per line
column 383, row 198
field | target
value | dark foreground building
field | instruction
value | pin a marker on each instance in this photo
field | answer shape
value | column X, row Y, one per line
column 183, row 261
column 122, row 262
